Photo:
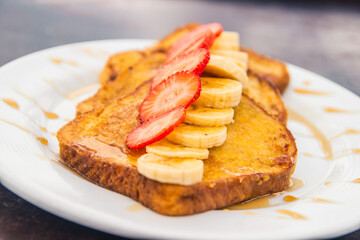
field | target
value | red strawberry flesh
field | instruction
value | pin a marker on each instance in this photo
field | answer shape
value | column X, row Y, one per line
column 215, row 28
column 201, row 38
column 181, row 88
column 194, row 61
column 156, row 128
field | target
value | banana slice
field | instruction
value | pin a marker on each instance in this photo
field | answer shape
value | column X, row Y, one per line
column 240, row 58
column 219, row 93
column 227, row 41
column 170, row 170
column 226, row 67
column 209, row 116
column 198, row 137
column 169, row 149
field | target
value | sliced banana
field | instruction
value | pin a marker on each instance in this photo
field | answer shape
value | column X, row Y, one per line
column 219, row 93
column 197, row 136
column 227, row 41
column 226, row 67
column 240, row 58
column 184, row 171
column 212, row 117
column 169, row 149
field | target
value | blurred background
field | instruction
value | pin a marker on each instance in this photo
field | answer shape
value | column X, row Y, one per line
column 321, row 36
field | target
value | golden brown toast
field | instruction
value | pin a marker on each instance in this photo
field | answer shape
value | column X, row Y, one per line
column 125, row 83
column 118, row 64
column 257, row 158
column 267, row 96
column 268, row 69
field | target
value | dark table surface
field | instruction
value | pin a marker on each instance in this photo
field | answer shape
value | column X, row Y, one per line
column 322, row 37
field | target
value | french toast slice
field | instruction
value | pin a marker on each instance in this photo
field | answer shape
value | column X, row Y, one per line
column 267, row 96
column 119, row 63
column 257, row 158
column 268, row 69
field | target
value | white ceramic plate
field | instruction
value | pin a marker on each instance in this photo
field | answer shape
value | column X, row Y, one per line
column 54, row 80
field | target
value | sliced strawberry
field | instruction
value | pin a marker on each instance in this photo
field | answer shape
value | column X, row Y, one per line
column 156, row 128
column 194, row 61
column 180, row 89
column 215, row 28
column 197, row 38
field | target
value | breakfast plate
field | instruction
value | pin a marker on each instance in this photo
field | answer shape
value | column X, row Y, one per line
column 40, row 91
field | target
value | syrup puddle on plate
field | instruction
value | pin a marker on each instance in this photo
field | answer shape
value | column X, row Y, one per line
column 264, row 202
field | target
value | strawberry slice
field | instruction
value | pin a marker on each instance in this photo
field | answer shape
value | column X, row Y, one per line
column 215, row 28
column 201, row 37
column 156, row 128
column 194, row 61
column 197, row 38
column 181, row 88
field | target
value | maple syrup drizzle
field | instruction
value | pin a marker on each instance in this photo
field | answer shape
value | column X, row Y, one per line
column 308, row 154
column 321, row 200
column 356, row 180
column 38, row 138
column 295, row 184
column 249, row 213
column 48, row 114
column 78, row 92
column 11, row 103
column 310, row 92
column 306, row 82
column 52, row 83
column 324, row 143
column 98, row 53
column 353, row 150
column 328, row 183
column 290, row 198
column 346, row 132
column 59, row 61
column 137, row 207
column 336, row 110
column 292, row 214
column 263, row 202
column 47, row 158
column 15, row 105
